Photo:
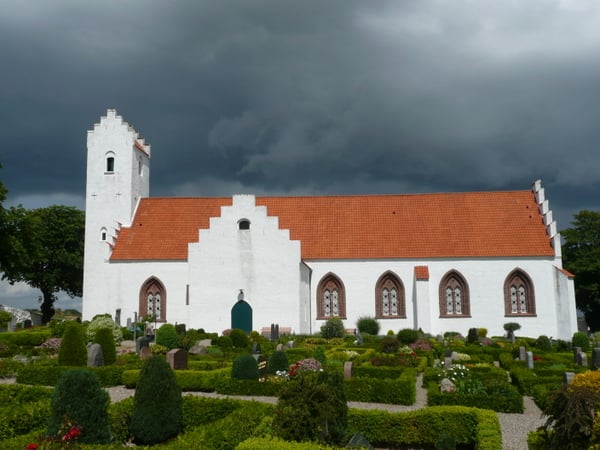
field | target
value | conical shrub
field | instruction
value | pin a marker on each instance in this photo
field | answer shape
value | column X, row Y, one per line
column 73, row 351
column 79, row 401
column 104, row 337
column 157, row 409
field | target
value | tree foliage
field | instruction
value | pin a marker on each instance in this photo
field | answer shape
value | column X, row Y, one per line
column 581, row 256
column 44, row 249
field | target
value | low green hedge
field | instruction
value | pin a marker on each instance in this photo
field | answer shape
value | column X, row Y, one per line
column 503, row 398
column 399, row 391
column 468, row 426
column 274, row 443
column 48, row 375
column 24, row 338
column 188, row 380
column 20, row 419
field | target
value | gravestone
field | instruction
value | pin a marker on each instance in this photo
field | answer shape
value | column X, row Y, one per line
column 448, row 353
column 255, row 348
column 177, row 359
column 576, row 351
column 27, row 324
column 95, row 358
column 145, row 353
column 263, row 365
column 496, row 363
column 447, row 362
column 140, row 343
column 279, row 347
column 447, row 385
column 569, row 377
column 522, row 354
column 197, row 349
column 359, row 339
column 529, row 360
column 582, row 359
column 596, row 358
column 347, row 370
column 454, row 356
column 359, row 441
column 290, row 344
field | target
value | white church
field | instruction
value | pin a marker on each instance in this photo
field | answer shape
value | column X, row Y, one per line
column 439, row 262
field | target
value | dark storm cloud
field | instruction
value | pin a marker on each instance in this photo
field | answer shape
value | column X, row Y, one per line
column 307, row 97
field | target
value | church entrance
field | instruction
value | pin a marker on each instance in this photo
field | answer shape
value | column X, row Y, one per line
column 241, row 316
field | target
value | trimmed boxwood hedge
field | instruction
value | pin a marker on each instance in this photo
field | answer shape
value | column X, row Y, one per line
column 399, row 391
column 509, row 400
column 48, row 375
column 24, row 338
column 469, row 426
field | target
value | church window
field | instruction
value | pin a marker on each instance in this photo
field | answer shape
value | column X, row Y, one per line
column 103, row 234
column 454, row 296
column 153, row 300
column 518, row 294
column 331, row 298
column 110, row 163
column 389, row 297
column 244, row 224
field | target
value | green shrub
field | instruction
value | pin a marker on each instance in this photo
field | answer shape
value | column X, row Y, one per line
column 101, row 321
column 168, row 337
column 104, row 337
column 25, row 418
column 245, row 367
column 312, row 407
column 389, row 344
column 274, row 443
column 499, row 397
column 239, row 339
column 73, row 351
column 543, row 343
column 399, row 391
column 407, row 336
column 368, row 325
column 157, row 410
column 333, row 328
column 473, row 336
column 24, row 338
column 278, row 361
column 200, row 410
column 581, row 340
column 79, row 399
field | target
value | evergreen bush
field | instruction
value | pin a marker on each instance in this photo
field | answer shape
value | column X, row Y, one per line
column 245, row 367
column 581, row 340
column 101, row 321
column 79, row 400
column 407, row 336
column 104, row 337
column 473, row 336
column 543, row 343
column 389, row 344
column 73, row 351
column 239, row 339
column 333, row 328
column 168, row 337
column 368, row 325
column 157, row 407
column 312, row 407
column 278, row 361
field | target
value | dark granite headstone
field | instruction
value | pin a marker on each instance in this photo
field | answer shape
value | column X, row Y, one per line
column 140, row 343
column 177, row 359
column 359, row 441
column 576, row 351
column 95, row 358
column 595, row 358
column 262, row 365
column 582, row 359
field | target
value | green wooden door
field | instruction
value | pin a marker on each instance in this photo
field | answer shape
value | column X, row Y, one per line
column 241, row 316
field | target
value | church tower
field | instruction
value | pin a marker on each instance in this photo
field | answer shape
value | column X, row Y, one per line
column 118, row 176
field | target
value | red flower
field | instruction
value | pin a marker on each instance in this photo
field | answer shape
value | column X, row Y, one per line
column 32, row 446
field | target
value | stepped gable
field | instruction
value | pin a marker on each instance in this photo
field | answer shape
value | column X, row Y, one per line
column 416, row 226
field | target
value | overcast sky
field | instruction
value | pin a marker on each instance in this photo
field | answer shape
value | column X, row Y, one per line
column 305, row 97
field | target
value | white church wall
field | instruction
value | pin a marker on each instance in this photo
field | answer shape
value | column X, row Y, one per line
column 485, row 279
column 261, row 260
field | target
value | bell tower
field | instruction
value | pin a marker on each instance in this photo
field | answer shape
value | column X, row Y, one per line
column 118, row 176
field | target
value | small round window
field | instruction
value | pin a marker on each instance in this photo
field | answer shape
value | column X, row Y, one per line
column 244, row 224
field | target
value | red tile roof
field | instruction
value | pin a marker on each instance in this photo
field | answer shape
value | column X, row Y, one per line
column 422, row 272
column 424, row 226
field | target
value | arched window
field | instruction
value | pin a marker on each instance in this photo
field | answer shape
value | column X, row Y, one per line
column 519, row 298
column 331, row 298
column 153, row 300
column 103, row 234
column 389, row 297
column 110, row 163
column 244, row 224
column 454, row 296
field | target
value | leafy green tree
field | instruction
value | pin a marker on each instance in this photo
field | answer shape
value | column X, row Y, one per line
column 46, row 251
column 581, row 256
column 333, row 328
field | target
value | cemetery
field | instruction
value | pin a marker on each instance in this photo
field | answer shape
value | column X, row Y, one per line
column 341, row 388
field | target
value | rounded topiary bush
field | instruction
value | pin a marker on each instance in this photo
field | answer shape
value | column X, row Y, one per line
column 239, row 338
column 73, row 351
column 245, row 367
column 368, row 325
column 389, row 344
column 581, row 340
column 167, row 336
column 79, row 400
column 333, row 328
column 278, row 361
column 157, row 406
column 543, row 343
column 408, row 336
column 104, row 337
